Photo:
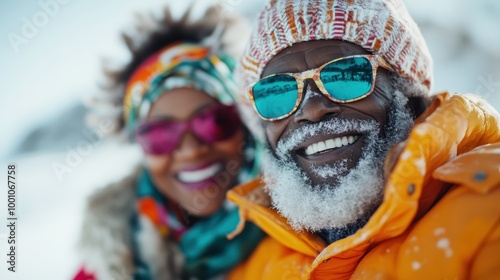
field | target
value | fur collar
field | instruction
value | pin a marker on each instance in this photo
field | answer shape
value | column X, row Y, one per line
column 106, row 241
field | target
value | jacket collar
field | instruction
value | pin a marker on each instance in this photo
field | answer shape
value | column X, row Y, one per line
column 439, row 134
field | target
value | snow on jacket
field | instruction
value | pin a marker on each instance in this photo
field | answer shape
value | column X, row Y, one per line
column 440, row 218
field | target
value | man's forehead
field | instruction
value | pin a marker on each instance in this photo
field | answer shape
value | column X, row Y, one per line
column 311, row 54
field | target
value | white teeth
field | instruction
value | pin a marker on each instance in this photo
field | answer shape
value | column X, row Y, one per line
column 344, row 141
column 321, row 146
column 338, row 142
column 199, row 175
column 330, row 144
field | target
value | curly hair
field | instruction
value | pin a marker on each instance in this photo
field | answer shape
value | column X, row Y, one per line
column 148, row 36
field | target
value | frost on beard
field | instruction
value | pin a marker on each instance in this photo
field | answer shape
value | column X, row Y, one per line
column 356, row 195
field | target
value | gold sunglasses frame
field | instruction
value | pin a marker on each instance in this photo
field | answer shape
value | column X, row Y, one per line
column 314, row 74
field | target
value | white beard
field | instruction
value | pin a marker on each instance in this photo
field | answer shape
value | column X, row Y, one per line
column 356, row 195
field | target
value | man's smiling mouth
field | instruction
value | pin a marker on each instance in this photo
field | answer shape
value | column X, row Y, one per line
column 330, row 144
column 327, row 141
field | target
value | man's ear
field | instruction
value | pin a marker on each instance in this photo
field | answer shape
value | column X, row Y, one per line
column 418, row 104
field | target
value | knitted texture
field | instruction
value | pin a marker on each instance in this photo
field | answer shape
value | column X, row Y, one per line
column 382, row 27
column 178, row 65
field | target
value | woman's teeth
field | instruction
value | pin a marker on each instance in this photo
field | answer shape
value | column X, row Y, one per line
column 199, row 175
column 330, row 144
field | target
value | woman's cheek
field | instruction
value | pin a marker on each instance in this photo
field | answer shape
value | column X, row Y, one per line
column 158, row 165
column 232, row 147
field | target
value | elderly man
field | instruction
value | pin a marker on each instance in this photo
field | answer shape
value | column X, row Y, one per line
column 368, row 175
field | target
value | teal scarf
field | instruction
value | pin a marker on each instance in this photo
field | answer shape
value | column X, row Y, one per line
column 207, row 251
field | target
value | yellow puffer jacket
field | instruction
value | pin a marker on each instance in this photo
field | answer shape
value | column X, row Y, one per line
column 440, row 218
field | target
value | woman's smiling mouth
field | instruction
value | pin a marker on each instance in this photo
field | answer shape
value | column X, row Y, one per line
column 201, row 176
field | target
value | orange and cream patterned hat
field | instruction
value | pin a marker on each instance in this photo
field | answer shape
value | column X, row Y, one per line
column 383, row 27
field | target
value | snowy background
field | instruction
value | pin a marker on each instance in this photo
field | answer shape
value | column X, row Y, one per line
column 45, row 79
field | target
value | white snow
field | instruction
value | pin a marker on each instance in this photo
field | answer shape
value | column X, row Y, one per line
column 438, row 231
column 330, row 170
column 405, row 155
column 50, row 211
column 444, row 244
column 420, row 164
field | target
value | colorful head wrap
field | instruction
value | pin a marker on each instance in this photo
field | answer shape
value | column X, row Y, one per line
column 175, row 66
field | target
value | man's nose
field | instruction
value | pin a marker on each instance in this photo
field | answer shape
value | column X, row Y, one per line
column 314, row 106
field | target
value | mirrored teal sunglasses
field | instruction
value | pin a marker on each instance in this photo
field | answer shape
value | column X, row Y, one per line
column 341, row 80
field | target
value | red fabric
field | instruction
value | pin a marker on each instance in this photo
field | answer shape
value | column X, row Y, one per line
column 84, row 275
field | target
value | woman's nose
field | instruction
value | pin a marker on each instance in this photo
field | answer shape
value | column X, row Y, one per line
column 191, row 147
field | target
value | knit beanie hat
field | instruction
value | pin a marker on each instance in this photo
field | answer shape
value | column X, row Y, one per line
column 382, row 27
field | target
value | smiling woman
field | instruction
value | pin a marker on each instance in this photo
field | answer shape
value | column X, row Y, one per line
column 169, row 220
column 200, row 153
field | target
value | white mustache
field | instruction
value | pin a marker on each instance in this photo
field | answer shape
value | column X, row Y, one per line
column 332, row 126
